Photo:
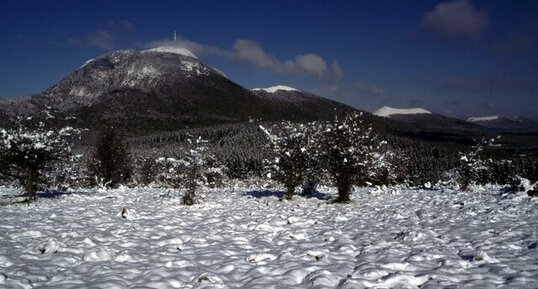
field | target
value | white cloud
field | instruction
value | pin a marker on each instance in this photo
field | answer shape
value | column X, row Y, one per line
column 250, row 52
column 105, row 37
column 99, row 38
column 456, row 19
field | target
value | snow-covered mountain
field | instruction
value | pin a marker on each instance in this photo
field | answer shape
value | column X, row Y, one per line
column 387, row 111
column 162, row 88
column 421, row 120
column 479, row 119
column 504, row 123
column 276, row 88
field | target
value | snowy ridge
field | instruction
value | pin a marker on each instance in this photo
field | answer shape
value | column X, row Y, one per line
column 276, row 88
column 218, row 71
column 172, row 49
column 387, row 111
column 87, row 62
column 482, row 118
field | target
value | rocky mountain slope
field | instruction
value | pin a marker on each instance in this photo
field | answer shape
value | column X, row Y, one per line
column 160, row 89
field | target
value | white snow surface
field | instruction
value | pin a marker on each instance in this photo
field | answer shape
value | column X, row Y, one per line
column 244, row 238
column 172, row 49
column 276, row 88
column 482, row 118
column 387, row 111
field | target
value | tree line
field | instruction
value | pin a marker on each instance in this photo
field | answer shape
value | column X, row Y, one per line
column 343, row 153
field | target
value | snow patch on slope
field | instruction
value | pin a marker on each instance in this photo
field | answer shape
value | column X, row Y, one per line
column 276, row 88
column 171, row 49
column 387, row 111
column 79, row 91
column 196, row 67
column 482, row 118
column 137, row 75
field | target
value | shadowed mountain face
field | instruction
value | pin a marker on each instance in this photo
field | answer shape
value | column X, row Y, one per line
column 296, row 104
column 161, row 89
column 436, row 122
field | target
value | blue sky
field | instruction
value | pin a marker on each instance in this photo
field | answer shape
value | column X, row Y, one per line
column 455, row 57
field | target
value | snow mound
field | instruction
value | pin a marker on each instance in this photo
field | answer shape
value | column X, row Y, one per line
column 173, row 49
column 276, row 88
column 482, row 118
column 387, row 111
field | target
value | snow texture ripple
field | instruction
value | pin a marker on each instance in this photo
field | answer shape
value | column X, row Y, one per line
column 129, row 238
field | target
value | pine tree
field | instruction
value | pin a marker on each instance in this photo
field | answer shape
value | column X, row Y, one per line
column 28, row 155
column 110, row 162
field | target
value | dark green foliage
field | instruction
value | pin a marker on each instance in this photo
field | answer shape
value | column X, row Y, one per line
column 146, row 170
column 110, row 161
column 239, row 147
column 29, row 155
column 422, row 161
column 420, row 158
column 192, row 179
column 504, row 171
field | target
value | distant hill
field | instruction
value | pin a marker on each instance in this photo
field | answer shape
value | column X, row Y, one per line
column 423, row 123
column 299, row 104
column 387, row 111
column 506, row 124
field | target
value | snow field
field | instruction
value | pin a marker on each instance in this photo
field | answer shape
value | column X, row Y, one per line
column 144, row 238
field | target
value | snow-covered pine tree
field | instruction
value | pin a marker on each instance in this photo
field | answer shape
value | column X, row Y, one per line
column 292, row 146
column 28, row 155
column 351, row 153
column 388, row 166
column 472, row 168
column 196, row 168
column 146, row 170
column 72, row 173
